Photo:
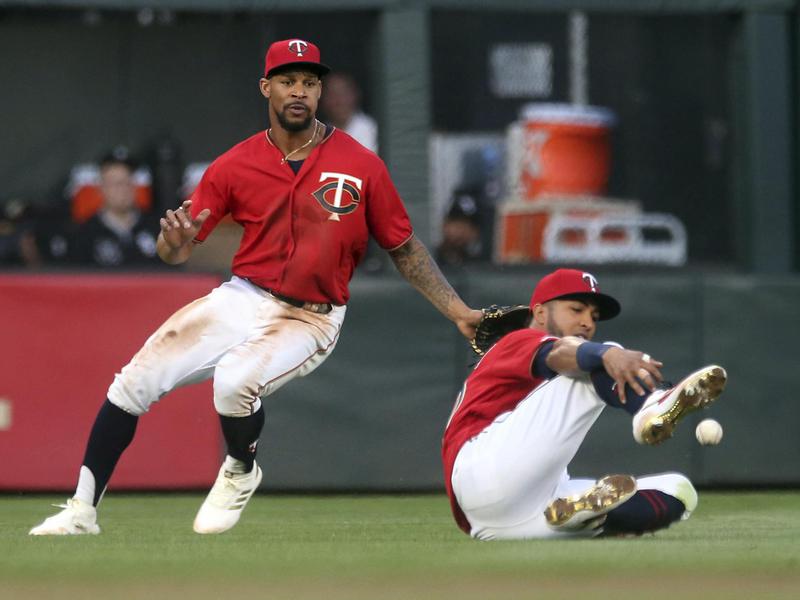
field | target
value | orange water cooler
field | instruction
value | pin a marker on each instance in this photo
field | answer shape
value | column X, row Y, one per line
column 566, row 150
column 561, row 160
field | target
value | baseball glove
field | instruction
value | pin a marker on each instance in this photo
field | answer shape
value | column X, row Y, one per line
column 496, row 322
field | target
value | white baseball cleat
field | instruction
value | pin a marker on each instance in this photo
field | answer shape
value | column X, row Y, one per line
column 662, row 410
column 226, row 500
column 584, row 511
column 77, row 518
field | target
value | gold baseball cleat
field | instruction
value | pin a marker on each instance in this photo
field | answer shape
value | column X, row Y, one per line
column 576, row 512
column 663, row 409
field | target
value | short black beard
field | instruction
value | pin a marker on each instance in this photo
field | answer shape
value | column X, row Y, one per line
column 551, row 327
column 294, row 127
column 555, row 330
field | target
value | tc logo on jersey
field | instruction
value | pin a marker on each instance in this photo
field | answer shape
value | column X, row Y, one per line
column 340, row 196
column 590, row 280
column 298, row 47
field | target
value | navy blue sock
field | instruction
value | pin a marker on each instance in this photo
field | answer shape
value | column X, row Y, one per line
column 112, row 433
column 647, row 510
column 241, row 435
column 607, row 390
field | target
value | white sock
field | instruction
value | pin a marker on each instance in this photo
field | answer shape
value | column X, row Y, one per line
column 86, row 485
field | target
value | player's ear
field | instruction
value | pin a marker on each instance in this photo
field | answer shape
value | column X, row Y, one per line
column 539, row 316
column 264, row 86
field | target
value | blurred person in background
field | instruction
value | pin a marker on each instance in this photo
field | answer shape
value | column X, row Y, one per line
column 119, row 234
column 461, row 230
column 341, row 105
column 17, row 238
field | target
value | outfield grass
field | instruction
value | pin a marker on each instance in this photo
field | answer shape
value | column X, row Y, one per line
column 737, row 545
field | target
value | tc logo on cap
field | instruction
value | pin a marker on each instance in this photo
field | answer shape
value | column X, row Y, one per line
column 298, row 47
column 590, row 281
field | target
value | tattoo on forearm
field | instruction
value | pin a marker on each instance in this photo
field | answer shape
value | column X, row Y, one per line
column 415, row 263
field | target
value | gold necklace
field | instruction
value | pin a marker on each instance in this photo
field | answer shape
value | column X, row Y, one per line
column 311, row 139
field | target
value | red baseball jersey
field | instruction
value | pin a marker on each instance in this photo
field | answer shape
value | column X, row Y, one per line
column 303, row 234
column 500, row 381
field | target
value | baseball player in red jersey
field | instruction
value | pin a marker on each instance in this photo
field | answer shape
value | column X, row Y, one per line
column 308, row 197
column 525, row 409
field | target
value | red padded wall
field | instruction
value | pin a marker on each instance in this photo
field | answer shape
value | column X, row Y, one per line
column 62, row 338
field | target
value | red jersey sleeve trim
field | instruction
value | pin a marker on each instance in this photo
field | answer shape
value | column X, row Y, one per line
column 408, row 239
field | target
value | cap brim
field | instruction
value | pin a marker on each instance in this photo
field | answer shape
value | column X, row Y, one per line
column 319, row 68
column 607, row 307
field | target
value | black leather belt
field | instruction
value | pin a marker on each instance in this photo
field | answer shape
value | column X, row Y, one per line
column 322, row 308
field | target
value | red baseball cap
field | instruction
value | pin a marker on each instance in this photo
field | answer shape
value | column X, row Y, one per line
column 295, row 53
column 571, row 283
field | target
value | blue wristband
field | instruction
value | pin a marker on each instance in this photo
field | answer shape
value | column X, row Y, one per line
column 590, row 356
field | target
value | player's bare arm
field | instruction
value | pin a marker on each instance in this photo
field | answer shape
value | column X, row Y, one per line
column 625, row 367
column 563, row 357
column 178, row 229
column 415, row 263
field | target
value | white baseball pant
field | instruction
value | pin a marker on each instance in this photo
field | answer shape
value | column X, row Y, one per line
column 250, row 342
column 507, row 475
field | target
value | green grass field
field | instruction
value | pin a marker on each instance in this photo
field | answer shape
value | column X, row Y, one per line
column 737, row 545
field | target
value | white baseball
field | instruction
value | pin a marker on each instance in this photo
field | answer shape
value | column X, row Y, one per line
column 708, row 432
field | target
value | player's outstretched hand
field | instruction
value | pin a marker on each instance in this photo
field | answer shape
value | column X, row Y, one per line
column 177, row 226
column 633, row 368
column 468, row 324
